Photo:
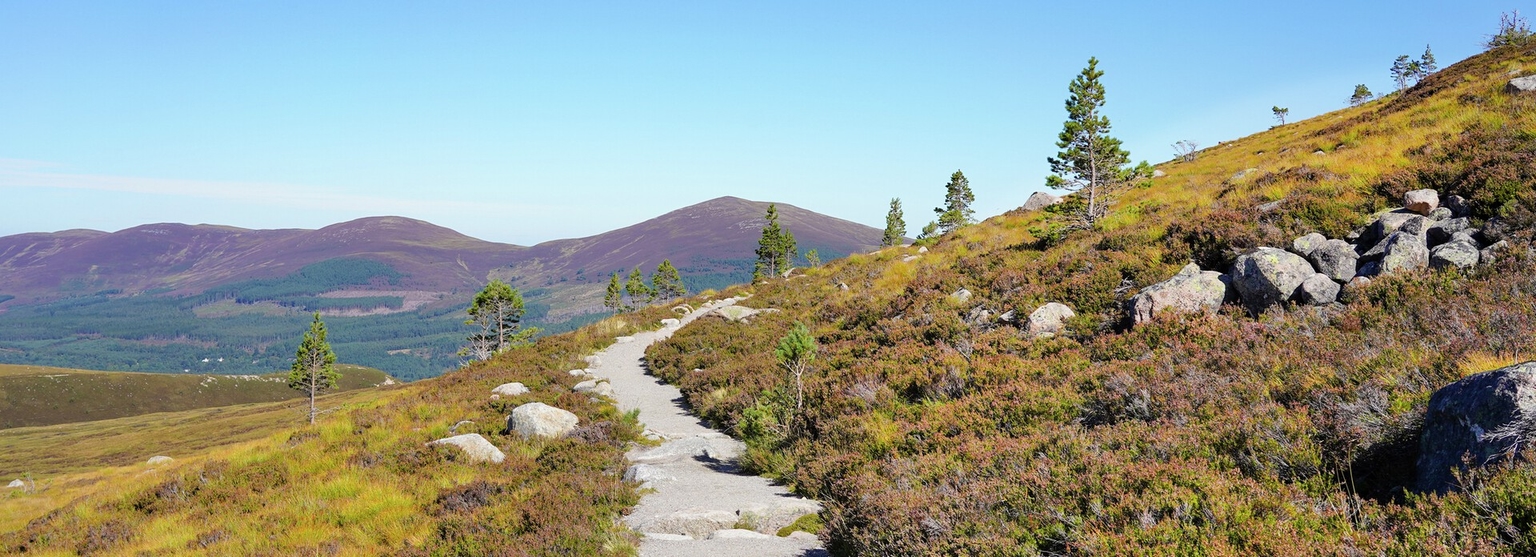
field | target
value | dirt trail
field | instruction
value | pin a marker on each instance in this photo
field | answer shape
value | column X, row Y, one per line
column 701, row 505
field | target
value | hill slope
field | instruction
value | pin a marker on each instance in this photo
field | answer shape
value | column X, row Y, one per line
column 172, row 297
column 931, row 426
column 36, row 395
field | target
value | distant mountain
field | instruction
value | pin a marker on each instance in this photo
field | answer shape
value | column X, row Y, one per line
column 174, row 297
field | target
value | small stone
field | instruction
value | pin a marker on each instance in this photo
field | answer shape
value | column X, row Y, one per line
column 909, row 259
column 1318, row 290
column 922, row 249
column 1305, row 245
column 962, row 295
column 1421, row 201
column 579, row 372
column 1520, row 85
column 158, row 460
column 1441, row 213
column 474, row 446
column 842, row 286
column 1049, row 319
column 17, row 484
column 1460, row 255
column 1158, row 174
column 510, row 389
column 594, row 361
column 537, row 419
column 671, row 322
column 1488, row 254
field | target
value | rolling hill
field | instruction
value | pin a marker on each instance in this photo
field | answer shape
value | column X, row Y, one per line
column 36, row 395
column 218, row 299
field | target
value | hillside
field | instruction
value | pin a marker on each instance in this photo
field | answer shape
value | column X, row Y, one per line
column 939, row 418
column 224, row 300
column 37, row 395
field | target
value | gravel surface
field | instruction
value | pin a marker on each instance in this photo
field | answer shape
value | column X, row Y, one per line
column 700, row 504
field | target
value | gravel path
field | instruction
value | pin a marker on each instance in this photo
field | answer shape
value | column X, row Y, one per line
column 701, row 505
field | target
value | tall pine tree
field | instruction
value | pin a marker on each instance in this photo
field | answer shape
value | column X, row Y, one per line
column 614, row 299
column 895, row 225
column 1091, row 162
column 639, row 293
column 956, row 211
column 497, row 313
column 314, row 365
column 775, row 249
column 666, row 282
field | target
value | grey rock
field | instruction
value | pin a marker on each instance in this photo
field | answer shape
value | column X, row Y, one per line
column 1490, row 253
column 1049, row 319
column 671, row 322
column 1493, row 231
column 1269, row 277
column 770, row 518
column 1040, row 200
column 1520, row 85
column 1421, row 201
column 961, row 295
column 1008, row 316
column 510, row 389
column 537, row 419
column 1336, row 259
column 1404, row 252
column 16, row 484
column 842, row 286
column 1441, row 231
column 1458, row 206
column 909, row 259
column 1318, row 290
column 579, row 372
column 1441, row 213
column 594, row 387
column 979, row 317
column 1304, row 245
column 594, row 361
column 734, row 314
column 737, row 534
column 1158, row 174
column 474, row 446
column 1486, row 416
column 646, row 473
column 1384, row 225
column 462, row 423
column 158, row 460
column 1270, row 207
column 1241, row 173
column 1191, row 290
column 694, row 523
column 1369, row 268
column 922, row 249
column 1460, row 255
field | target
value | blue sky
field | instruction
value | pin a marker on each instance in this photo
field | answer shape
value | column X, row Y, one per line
column 524, row 122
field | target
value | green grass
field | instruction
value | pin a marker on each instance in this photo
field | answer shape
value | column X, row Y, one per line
column 39, row 395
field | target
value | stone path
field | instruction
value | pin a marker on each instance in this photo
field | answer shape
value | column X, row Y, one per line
column 701, row 505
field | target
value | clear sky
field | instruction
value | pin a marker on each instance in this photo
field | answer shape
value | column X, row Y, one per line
column 529, row 121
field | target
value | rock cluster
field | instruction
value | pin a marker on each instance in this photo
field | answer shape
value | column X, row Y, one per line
column 1427, row 231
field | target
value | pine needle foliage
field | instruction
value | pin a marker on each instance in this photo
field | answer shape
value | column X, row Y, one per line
column 1091, row 163
column 314, row 365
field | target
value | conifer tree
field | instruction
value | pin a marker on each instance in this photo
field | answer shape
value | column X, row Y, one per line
column 895, row 225
column 497, row 313
column 614, row 299
column 775, row 249
column 667, row 283
column 1403, row 70
column 1281, row 113
column 1362, row 95
column 795, row 353
column 639, row 293
column 812, row 258
column 1427, row 63
column 314, row 365
column 956, row 211
column 1091, row 162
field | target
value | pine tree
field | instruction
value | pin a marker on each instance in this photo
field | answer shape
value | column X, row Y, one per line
column 775, row 249
column 667, row 283
column 1362, row 95
column 614, row 299
column 1091, row 162
column 1402, row 71
column 813, row 258
column 1427, row 63
column 795, row 353
column 639, row 293
column 956, row 211
column 314, row 365
column 895, row 225
column 497, row 313
column 1281, row 113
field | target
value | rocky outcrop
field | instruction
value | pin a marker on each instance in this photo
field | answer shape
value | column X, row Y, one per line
column 1040, row 200
column 1192, row 290
column 475, row 447
column 1520, row 85
column 1049, row 320
column 537, row 419
column 510, row 389
column 1269, row 276
column 1485, row 416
